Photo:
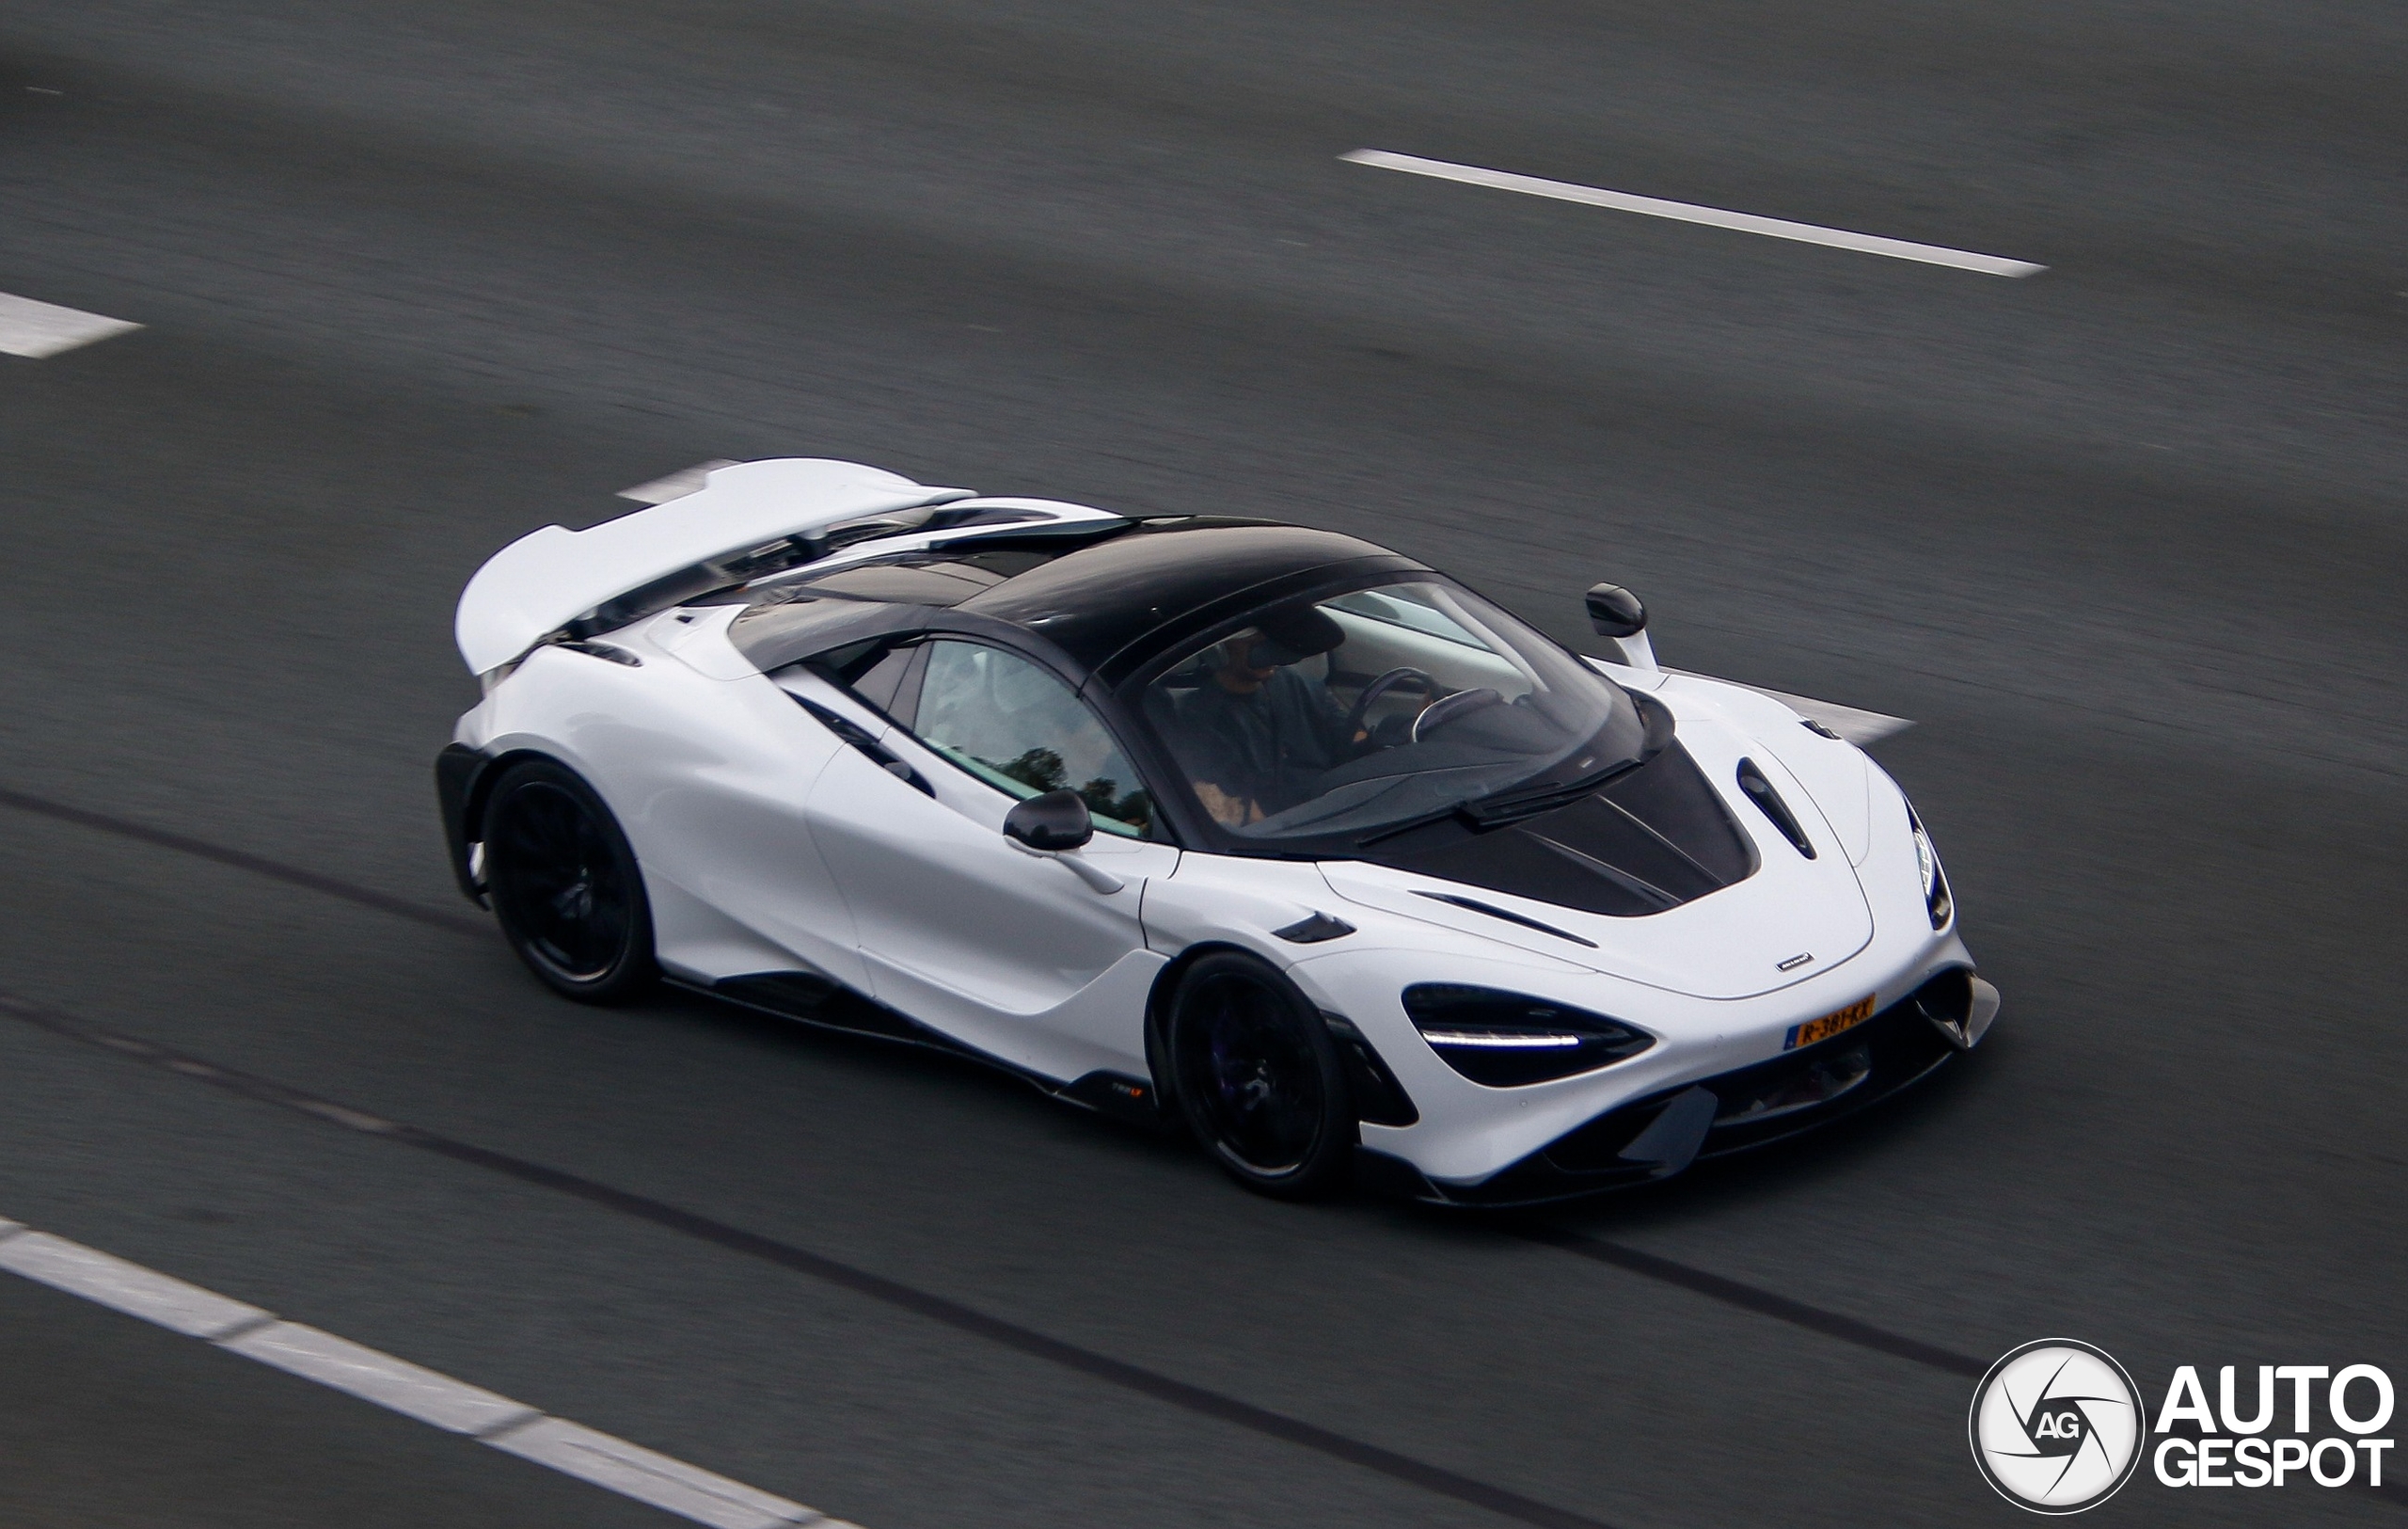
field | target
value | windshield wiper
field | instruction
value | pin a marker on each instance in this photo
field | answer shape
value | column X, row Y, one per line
column 1406, row 825
column 1482, row 813
column 1513, row 807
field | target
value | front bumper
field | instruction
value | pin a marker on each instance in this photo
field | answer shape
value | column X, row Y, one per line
column 1661, row 1133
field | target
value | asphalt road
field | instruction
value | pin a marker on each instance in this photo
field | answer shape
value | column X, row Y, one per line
column 2125, row 539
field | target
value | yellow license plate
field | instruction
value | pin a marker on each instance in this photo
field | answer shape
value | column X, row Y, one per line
column 1829, row 1025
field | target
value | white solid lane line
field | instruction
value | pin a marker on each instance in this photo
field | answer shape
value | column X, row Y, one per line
column 373, row 1375
column 677, row 484
column 37, row 330
column 453, row 1406
column 1624, row 201
column 126, row 1287
column 640, row 1474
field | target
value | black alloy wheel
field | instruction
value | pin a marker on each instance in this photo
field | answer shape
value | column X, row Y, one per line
column 1260, row 1079
column 564, row 884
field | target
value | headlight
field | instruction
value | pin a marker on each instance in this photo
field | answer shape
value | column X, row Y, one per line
column 1935, row 881
column 1508, row 1038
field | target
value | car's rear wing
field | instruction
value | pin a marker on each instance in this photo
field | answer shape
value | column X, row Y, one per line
column 745, row 512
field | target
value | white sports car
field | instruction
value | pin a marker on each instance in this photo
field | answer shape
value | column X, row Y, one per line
column 1258, row 826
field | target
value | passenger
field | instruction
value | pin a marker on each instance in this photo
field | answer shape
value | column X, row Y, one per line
column 1256, row 734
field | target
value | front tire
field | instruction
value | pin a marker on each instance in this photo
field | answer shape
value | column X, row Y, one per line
column 564, row 884
column 1258, row 1079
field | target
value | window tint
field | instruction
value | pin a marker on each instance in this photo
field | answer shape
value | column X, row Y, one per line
column 1020, row 729
column 904, row 584
column 1353, row 714
column 925, row 578
column 872, row 669
column 1405, row 605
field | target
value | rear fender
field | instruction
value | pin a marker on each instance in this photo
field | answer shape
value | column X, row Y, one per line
column 464, row 779
column 462, row 776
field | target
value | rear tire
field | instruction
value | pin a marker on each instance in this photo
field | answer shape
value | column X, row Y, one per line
column 1259, row 1079
column 564, row 884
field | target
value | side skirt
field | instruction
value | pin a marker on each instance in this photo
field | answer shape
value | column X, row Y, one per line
column 824, row 1003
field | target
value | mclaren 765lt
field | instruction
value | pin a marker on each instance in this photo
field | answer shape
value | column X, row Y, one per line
column 1257, row 828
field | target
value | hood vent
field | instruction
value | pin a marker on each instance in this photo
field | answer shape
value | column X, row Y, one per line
column 1475, row 905
column 1649, row 839
column 1760, row 791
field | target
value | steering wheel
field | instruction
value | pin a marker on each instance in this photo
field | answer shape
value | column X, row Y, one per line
column 1451, row 709
column 1357, row 715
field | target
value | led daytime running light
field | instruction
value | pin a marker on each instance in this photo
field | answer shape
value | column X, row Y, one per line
column 1510, row 1039
column 1936, row 898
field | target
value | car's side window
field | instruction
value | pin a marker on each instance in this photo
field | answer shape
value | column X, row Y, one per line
column 1019, row 728
column 873, row 670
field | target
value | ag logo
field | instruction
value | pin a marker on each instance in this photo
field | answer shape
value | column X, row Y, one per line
column 2057, row 1426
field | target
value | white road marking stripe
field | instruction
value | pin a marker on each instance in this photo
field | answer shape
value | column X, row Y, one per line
column 373, row 1375
column 126, row 1287
column 37, row 330
column 677, row 484
column 1624, row 201
column 647, row 1477
column 453, row 1406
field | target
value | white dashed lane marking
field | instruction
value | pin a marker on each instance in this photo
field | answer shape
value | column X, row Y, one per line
column 37, row 330
column 411, row 1390
column 1681, row 212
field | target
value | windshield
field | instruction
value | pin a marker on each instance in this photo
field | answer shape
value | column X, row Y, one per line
column 1350, row 714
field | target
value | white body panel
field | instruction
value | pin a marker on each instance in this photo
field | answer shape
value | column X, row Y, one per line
column 711, row 780
column 1007, row 951
column 768, row 845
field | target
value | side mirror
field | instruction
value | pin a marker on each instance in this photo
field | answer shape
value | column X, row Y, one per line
column 1050, row 823
column 1615, row 611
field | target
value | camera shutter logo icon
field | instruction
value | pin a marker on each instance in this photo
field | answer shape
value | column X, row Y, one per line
column 2057, row 1426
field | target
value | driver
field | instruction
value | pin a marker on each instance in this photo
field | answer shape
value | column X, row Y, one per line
column 1258, row 733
